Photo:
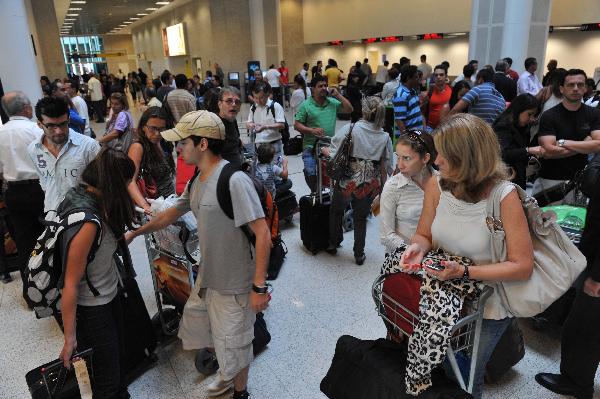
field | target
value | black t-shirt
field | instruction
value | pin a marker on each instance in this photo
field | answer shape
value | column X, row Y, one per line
column 569, row 125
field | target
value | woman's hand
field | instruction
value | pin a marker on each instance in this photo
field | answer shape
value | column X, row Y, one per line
column 452, row 270
column 412, row 257
column 67, row 352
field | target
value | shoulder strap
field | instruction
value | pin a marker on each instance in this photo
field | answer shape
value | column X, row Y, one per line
column 272, row 108
column 495, row 197
column 192, row 179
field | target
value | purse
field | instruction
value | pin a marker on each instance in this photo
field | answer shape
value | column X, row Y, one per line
column 589, row 177
column 147, row 185
column 338, row 167
column 556, row 260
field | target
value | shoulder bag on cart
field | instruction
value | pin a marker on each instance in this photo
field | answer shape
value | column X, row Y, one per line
column 557, row 261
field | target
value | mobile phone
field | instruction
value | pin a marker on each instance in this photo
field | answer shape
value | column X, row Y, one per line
column 435, row 266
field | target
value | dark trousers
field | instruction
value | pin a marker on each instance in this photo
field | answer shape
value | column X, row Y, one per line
column 101, row 328
column 580, row 343
column 99, row 110
column 25, row 204
column 361, row 208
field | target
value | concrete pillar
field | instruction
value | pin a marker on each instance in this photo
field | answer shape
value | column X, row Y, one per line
column 266, row 32
column 49, row 40
column 18, row 67
column 509, row 28
column 257, row 32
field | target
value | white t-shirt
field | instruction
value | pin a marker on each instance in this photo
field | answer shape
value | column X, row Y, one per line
column 82, row 110
column 304, row 74
column 264, row 116
column 298, row 97
column 273, row 77
column 382, row 74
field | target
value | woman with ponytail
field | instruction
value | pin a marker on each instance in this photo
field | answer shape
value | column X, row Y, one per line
column 93, row 317
column 370, row 163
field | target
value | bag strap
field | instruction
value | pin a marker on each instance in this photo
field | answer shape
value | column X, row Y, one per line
column 224, row 197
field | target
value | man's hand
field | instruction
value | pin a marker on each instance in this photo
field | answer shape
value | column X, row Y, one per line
column 259, row 128
column 67, row 351
column 325, row 151
column 334, row 92
column 250, row 126
column 259, row 302
column 318, row 131
column 537, row 151
column 591, row 287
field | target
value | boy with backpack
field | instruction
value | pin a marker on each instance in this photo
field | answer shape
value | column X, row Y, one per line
column 230, row 288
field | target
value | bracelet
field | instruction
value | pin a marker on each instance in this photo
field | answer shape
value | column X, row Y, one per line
column 261, row 290
column 465, row 275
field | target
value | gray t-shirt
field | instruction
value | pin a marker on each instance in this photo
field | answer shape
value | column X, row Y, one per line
column 227, row 261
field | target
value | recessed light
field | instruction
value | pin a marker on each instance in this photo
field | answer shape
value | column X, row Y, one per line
column 134, row 18
column 78, row 2
column 70, row 19
column 151, row 8
column 74, row 9
column 142, row 14
column 128, row 22
column 162, row 3
column 72, row 15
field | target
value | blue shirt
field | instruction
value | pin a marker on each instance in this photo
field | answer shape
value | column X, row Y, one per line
column 58, row 175
column 485, row 102
column 407, row 108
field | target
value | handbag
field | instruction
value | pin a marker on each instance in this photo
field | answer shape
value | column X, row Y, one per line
column 147, row 185
column 556, row 260
column 589, row 177
column 338, row 167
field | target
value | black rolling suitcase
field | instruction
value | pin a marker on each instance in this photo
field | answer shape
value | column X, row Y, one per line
column 287, row 205
column 365, row 369
column 314, row 215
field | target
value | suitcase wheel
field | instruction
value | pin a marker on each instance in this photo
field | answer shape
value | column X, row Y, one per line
column 171, row 319
column 206, row 362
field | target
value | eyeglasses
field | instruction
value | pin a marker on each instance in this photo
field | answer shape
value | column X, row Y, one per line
column 53, row 126
column 231, row 101
column 156, row 129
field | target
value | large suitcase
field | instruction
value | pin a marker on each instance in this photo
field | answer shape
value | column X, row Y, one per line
column 314, row 221
column 139, row 336
column 508, row 352
column 365, row 369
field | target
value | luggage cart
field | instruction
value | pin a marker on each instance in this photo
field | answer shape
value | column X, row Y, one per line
column 465, row 333
column 173, row 255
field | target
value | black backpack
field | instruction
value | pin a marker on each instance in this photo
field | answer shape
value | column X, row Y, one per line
column 45, row 270
column 285, row 132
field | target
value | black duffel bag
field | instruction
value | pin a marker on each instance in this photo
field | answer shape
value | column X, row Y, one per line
column 588, row 177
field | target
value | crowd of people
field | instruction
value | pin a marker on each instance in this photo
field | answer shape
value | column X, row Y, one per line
column 450, row 145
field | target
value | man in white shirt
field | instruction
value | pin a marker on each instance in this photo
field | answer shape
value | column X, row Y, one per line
column 267, row 118
column 425, row 68
column 528, row 81
column 60, row 155
column 95, row 90
column 381, row 76
column 304, row 71
column 24, row 197
column 72, row 87
column 389, row 89
column 273, row 77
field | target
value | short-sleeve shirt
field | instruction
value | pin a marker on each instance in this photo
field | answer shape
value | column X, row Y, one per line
column 568, row 125
column 266, row 172
column 311, row 114
column 436, row 103
column 272, row 77
column 407, row 108
column 227, row 264
column 333, row 76
column 264, row 116
column 58, row 175
column 485, row 102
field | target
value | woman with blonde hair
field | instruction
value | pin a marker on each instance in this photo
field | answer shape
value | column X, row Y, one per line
column 454, row 219
column 370, row 163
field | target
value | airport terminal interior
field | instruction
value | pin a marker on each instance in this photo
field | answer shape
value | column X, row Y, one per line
column 324, row 293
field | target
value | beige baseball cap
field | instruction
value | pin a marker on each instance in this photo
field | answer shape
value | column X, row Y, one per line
column 197, row 123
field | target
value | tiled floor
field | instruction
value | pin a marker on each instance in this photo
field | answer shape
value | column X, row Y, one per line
column 315, row 300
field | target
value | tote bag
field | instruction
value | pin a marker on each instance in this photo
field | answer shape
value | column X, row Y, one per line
column 556, row 260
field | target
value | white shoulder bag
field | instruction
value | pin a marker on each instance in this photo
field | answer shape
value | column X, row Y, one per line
column 556, row 260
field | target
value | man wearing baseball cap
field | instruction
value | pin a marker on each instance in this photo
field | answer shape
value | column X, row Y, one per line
column 230, row 287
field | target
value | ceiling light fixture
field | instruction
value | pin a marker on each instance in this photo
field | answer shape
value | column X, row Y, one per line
column 72, row 15
column 127, row 22
column 142, row 14
column 134, row 18
column 75, row 9
column 78, row 2
column 151, row 8
column 70, row 19
column 162, row 3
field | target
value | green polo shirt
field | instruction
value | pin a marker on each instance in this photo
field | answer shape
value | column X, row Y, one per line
column 311, row 114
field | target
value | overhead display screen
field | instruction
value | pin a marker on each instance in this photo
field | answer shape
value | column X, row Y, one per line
column 174, row 40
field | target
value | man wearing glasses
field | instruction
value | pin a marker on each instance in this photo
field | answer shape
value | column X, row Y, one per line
column 229, row 108
column 60, row 154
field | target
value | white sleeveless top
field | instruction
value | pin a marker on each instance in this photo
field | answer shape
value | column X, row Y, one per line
column 459, row 227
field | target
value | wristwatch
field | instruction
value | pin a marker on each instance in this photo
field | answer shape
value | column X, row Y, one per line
column 561, row 142
column 261, row 290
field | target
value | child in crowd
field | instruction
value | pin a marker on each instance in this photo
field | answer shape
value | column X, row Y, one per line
column 266, row 170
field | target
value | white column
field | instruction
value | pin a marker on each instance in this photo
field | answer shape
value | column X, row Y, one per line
column 257, row 32
column 18, row 68
column 509, row 28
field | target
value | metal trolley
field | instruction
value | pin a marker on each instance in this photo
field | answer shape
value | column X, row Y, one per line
column 173, row 256
column 465, row 334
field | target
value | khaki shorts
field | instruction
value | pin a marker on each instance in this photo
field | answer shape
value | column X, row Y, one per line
column 223, row 322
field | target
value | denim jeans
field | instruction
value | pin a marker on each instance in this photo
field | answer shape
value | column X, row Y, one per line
column 491, row 332
column 101, row 328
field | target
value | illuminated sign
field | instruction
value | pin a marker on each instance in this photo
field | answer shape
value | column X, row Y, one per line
column 335, row 43
column 430, row 36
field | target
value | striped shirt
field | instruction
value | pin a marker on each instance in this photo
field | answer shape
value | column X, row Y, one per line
column 485, row 102
column 407, row 109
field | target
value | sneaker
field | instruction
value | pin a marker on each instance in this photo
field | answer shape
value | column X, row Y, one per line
column 6, row 278
column 331, row 250
column 360, row 259
column 219, row 386
column 243, row 395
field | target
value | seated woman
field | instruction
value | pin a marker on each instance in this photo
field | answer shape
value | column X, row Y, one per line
column 402, row 196
column 151, row 161
column 97, row 321
column 119, row 128
column 512, row 127
column 454, row 219
column 370, row 163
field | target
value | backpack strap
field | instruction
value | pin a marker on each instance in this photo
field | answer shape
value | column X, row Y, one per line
column 224, row 197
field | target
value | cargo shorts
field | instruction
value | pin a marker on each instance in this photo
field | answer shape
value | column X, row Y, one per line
column 223, row 322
